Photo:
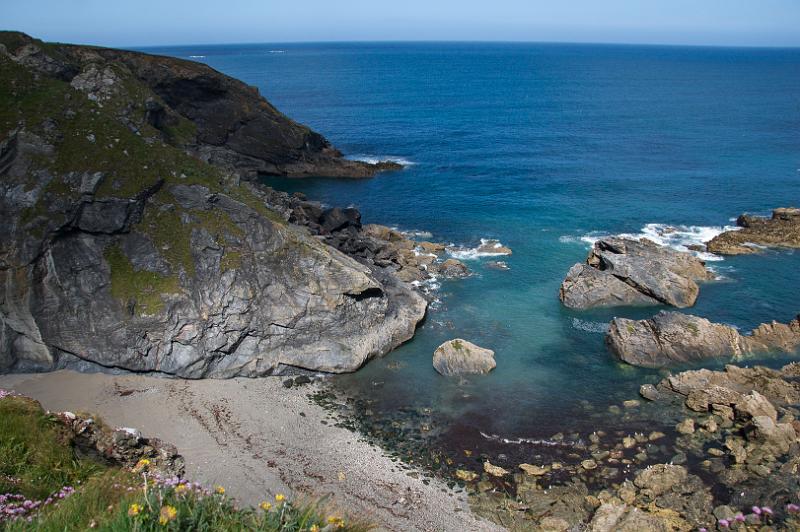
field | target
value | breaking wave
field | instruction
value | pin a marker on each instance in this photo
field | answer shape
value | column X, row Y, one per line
column 678, row 237
column 375, row 159
column 487, row 248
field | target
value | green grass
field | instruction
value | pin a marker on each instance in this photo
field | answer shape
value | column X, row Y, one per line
column 35, row 456
column 142, row 289
column 36, row 453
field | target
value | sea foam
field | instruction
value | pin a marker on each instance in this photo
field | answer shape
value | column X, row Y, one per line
column 486, row 248
column 678, row 237
column 375, row 159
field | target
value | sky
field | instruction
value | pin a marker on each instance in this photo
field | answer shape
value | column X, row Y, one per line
column 169, row 22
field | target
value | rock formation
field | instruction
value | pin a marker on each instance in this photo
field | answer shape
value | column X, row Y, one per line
column 459, row 357
column 119, row 248
column 782, row 230
column 673, row 338
column 621, row 271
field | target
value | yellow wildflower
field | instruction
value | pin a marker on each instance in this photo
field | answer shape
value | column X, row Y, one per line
column 280, row 497
column 167, row 514
column 266, row 506
column 141, row 464
column 314, row 528
column 181, row 488
column 134, row 509
column 335, row 521
column 220, row 490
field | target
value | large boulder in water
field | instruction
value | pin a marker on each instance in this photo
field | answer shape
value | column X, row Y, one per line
column 459, row 357
column 672, row 338
column 623, row 271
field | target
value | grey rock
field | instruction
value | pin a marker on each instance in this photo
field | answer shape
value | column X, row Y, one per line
column 622, row 271
column 459, row 357
column 673, row 337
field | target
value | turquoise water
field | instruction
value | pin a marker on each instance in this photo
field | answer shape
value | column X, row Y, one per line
column 539, row 145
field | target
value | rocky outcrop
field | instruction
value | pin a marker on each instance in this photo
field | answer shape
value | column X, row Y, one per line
column 120, row 250
column 622, row 271
column 673, row 338
column 756, row 233
column 191, row 105
column 122, row 447
column 459, row 357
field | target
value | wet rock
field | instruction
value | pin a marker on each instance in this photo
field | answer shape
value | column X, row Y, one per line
column 649, row 392
column 459, row 357
column 776, row 438
column 686, row 426
column 493, row 470
column 622, row 271
column 589, row 464
column 466, row 476
column 453, row 268
column 534, row 470
column 755, row 233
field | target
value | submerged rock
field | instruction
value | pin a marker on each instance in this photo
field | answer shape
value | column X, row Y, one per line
column 622, row 271
column 673, row 337
column 459, row 357
column 781, row 230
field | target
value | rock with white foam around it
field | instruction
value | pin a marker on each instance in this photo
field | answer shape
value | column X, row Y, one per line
column 623, row 271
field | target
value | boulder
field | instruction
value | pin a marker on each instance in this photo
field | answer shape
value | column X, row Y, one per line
column 622, row 271
column 670, row 338
column 755, row 233
column 673, row 337
column 459, row 357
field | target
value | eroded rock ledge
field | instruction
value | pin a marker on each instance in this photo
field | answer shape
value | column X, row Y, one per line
column 673, row 338
column 781, row 230
column 622, row 271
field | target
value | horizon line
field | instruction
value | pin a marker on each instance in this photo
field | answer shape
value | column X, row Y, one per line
column 461, row 41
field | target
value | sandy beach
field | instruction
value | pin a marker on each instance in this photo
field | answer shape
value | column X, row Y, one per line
column 257, row 438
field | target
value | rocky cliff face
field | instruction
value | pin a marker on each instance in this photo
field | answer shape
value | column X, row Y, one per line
column 120, row 247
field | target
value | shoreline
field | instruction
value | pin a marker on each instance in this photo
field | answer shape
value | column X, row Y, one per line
column 257, row 438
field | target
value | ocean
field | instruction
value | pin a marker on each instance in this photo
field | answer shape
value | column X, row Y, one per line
column 543, row 147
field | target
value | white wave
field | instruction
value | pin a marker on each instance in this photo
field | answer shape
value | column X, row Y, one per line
column 413, row 233
column 590, row 326
column 531, row 441
column 488, row 248
column 197, row 56
column 431, row 284
column 678, row 237
column 277, row 51
column 375, row 159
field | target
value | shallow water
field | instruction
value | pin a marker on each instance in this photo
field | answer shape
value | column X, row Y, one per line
column 543, row 147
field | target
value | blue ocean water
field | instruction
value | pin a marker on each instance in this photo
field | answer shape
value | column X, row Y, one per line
column 539, row 145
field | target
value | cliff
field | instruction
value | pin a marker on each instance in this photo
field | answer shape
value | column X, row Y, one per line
column 122, row 247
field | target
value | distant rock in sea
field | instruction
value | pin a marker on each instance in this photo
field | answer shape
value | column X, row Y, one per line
column 670, row 338
column 756, row 233
column 623, row 271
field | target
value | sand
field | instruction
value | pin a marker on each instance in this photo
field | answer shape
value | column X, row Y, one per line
column 257, row 438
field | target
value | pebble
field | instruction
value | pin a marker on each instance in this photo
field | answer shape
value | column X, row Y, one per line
column 589, row 464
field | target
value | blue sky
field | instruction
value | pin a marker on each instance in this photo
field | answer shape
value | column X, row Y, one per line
column 151, row 22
